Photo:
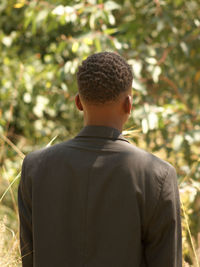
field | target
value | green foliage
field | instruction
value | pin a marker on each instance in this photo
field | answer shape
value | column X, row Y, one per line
column 41, row 46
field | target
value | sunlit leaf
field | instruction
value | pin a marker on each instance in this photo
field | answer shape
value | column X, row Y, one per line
column 20, row 4
column 75, row 47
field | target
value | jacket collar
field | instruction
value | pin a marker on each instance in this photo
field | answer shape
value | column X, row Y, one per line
column 104, row 132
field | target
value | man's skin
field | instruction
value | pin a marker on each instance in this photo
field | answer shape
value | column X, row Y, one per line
column 112, row 114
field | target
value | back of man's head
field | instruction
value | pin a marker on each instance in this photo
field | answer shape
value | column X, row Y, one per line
column 102, row 77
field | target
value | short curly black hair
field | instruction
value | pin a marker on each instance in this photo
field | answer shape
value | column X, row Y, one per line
column 103, row 76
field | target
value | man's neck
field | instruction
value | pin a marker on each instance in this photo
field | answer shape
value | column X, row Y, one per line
column 109, row 115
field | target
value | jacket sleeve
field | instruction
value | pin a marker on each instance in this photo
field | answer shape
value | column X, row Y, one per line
column 25, row 216
column 163, row 241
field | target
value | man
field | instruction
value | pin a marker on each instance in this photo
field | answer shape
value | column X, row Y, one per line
column 97, row 200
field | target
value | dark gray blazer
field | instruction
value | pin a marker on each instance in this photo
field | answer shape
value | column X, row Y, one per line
column 98, row 201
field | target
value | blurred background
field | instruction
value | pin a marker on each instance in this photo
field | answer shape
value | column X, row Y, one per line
column 41, row 45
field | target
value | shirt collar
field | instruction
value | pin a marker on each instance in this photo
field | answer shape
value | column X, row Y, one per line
column 104, row 132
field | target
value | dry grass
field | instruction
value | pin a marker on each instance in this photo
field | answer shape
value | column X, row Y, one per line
column 9, row 246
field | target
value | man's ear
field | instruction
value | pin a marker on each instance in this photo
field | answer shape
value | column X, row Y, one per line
column 78, row 102
column 128, row 104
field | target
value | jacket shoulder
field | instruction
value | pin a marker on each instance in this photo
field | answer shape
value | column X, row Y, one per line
column 147, row 165
column 145, row 158
column 38, row 157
